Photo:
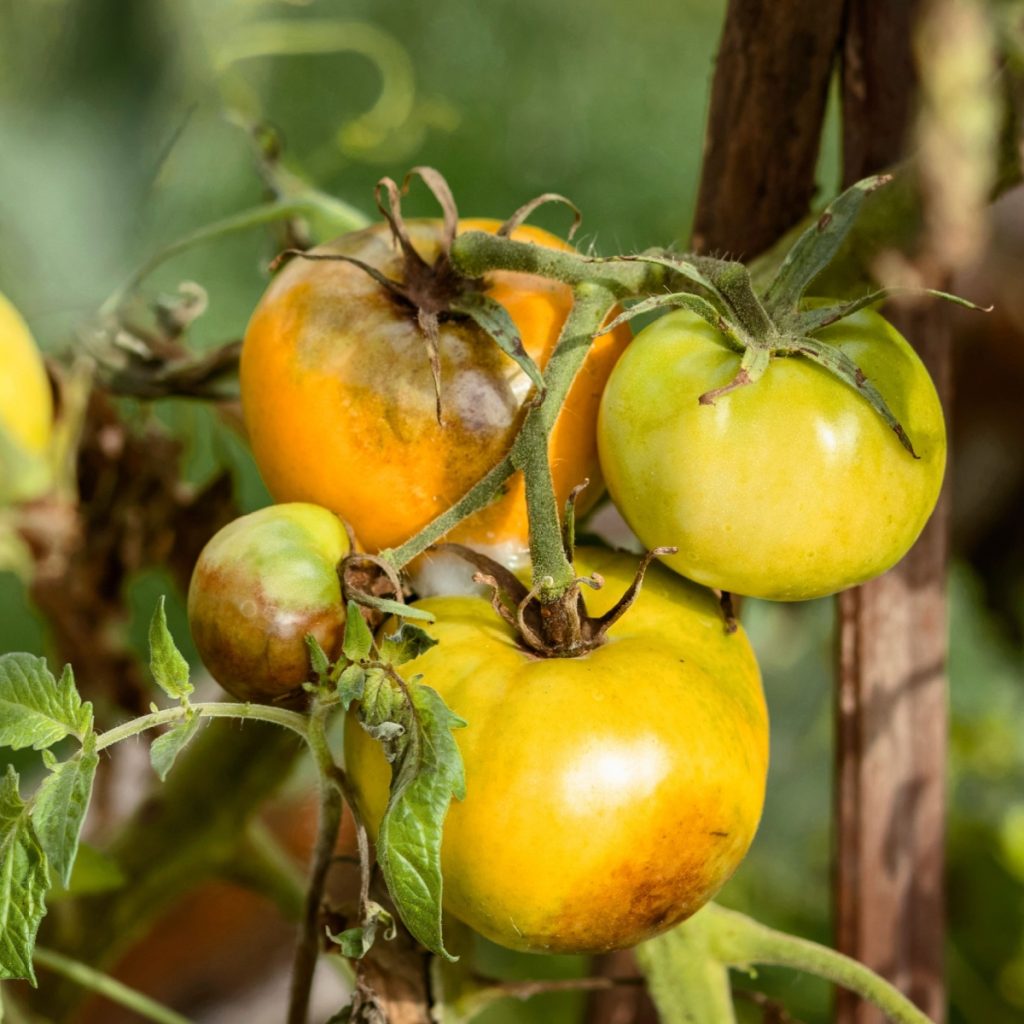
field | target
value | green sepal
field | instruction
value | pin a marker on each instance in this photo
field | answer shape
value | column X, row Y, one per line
column 24, row 881
column 166, row 663
column 815, row 249
column 840, row 365
column 494, row 319
column 808, row 321
column 705, row 309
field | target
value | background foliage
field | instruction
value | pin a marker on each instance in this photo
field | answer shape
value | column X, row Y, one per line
column 123, row 127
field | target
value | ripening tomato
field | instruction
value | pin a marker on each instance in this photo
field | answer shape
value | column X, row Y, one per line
column 789, row 488
column 26, row 402
column 261, row 584
column 340, row 403
column 607, row 796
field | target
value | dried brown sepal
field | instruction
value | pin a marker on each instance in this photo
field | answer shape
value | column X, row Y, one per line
column 523, row 213
column 365, row 579
column 600, row 626
column 569, row 525
column 741, row 379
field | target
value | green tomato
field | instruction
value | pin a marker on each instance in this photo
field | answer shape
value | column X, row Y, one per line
column 609, row 796
column 261, row 584
column 789, row 488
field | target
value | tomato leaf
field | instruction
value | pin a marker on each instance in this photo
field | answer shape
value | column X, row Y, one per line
column 397, row 608
column 168, row 666
column 37, row 710
column 815, row 249
column 406, row 643
column 24, row 881
column 58, row 809
column 355, row 943
column 318, row 659
column 165, row 749
column 414, row 727
column 358, row 638
column 351, row 685
column 493, row 318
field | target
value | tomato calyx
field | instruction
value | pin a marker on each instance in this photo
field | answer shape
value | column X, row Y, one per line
column 436, row 292
column 781, row 321
column 561, row 628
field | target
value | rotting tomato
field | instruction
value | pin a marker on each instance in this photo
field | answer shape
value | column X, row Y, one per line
column 26, row 402
column 340, row 402
column 788, row 488
column 260, row 586
column 607, row 796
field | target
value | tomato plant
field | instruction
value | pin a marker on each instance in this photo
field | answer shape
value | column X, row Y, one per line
column 260, row 586
column 340, row 400
column 608, row 796
column 26, row 404
column 788, row 488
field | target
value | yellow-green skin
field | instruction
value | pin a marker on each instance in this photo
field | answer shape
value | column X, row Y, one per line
column 607, row 797
column 261, row 584
column 789, row 488
column 26, row 402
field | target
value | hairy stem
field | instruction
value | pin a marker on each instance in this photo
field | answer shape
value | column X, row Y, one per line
column 552, row 572
column 102, row 984
column 211, row 709
column 739, row 941
column 308, row 947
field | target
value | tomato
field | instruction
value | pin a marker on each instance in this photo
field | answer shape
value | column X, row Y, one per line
column 261, row 584
column 340, row 404
column 26, row 402
column 788, row 488
column 608, row 796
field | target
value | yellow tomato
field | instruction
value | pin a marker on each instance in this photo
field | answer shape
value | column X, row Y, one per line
column 608, row 797
column 26, row 402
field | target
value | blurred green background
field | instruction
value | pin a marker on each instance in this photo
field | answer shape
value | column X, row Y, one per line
column 122, row 129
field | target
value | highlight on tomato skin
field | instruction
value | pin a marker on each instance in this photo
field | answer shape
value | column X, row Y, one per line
column 340, row 404
column 789, row 488
column 608, row 797
column 261, row 584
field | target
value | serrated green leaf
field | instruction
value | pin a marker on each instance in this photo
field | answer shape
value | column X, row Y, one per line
column 37, row 710
column 351, row 685
column 170, row 669
column 166, row 748
column 24, row 881
column 358, row 638
column 426, row 772
column 407, row 643
column 60, row 805
column 318, row 659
